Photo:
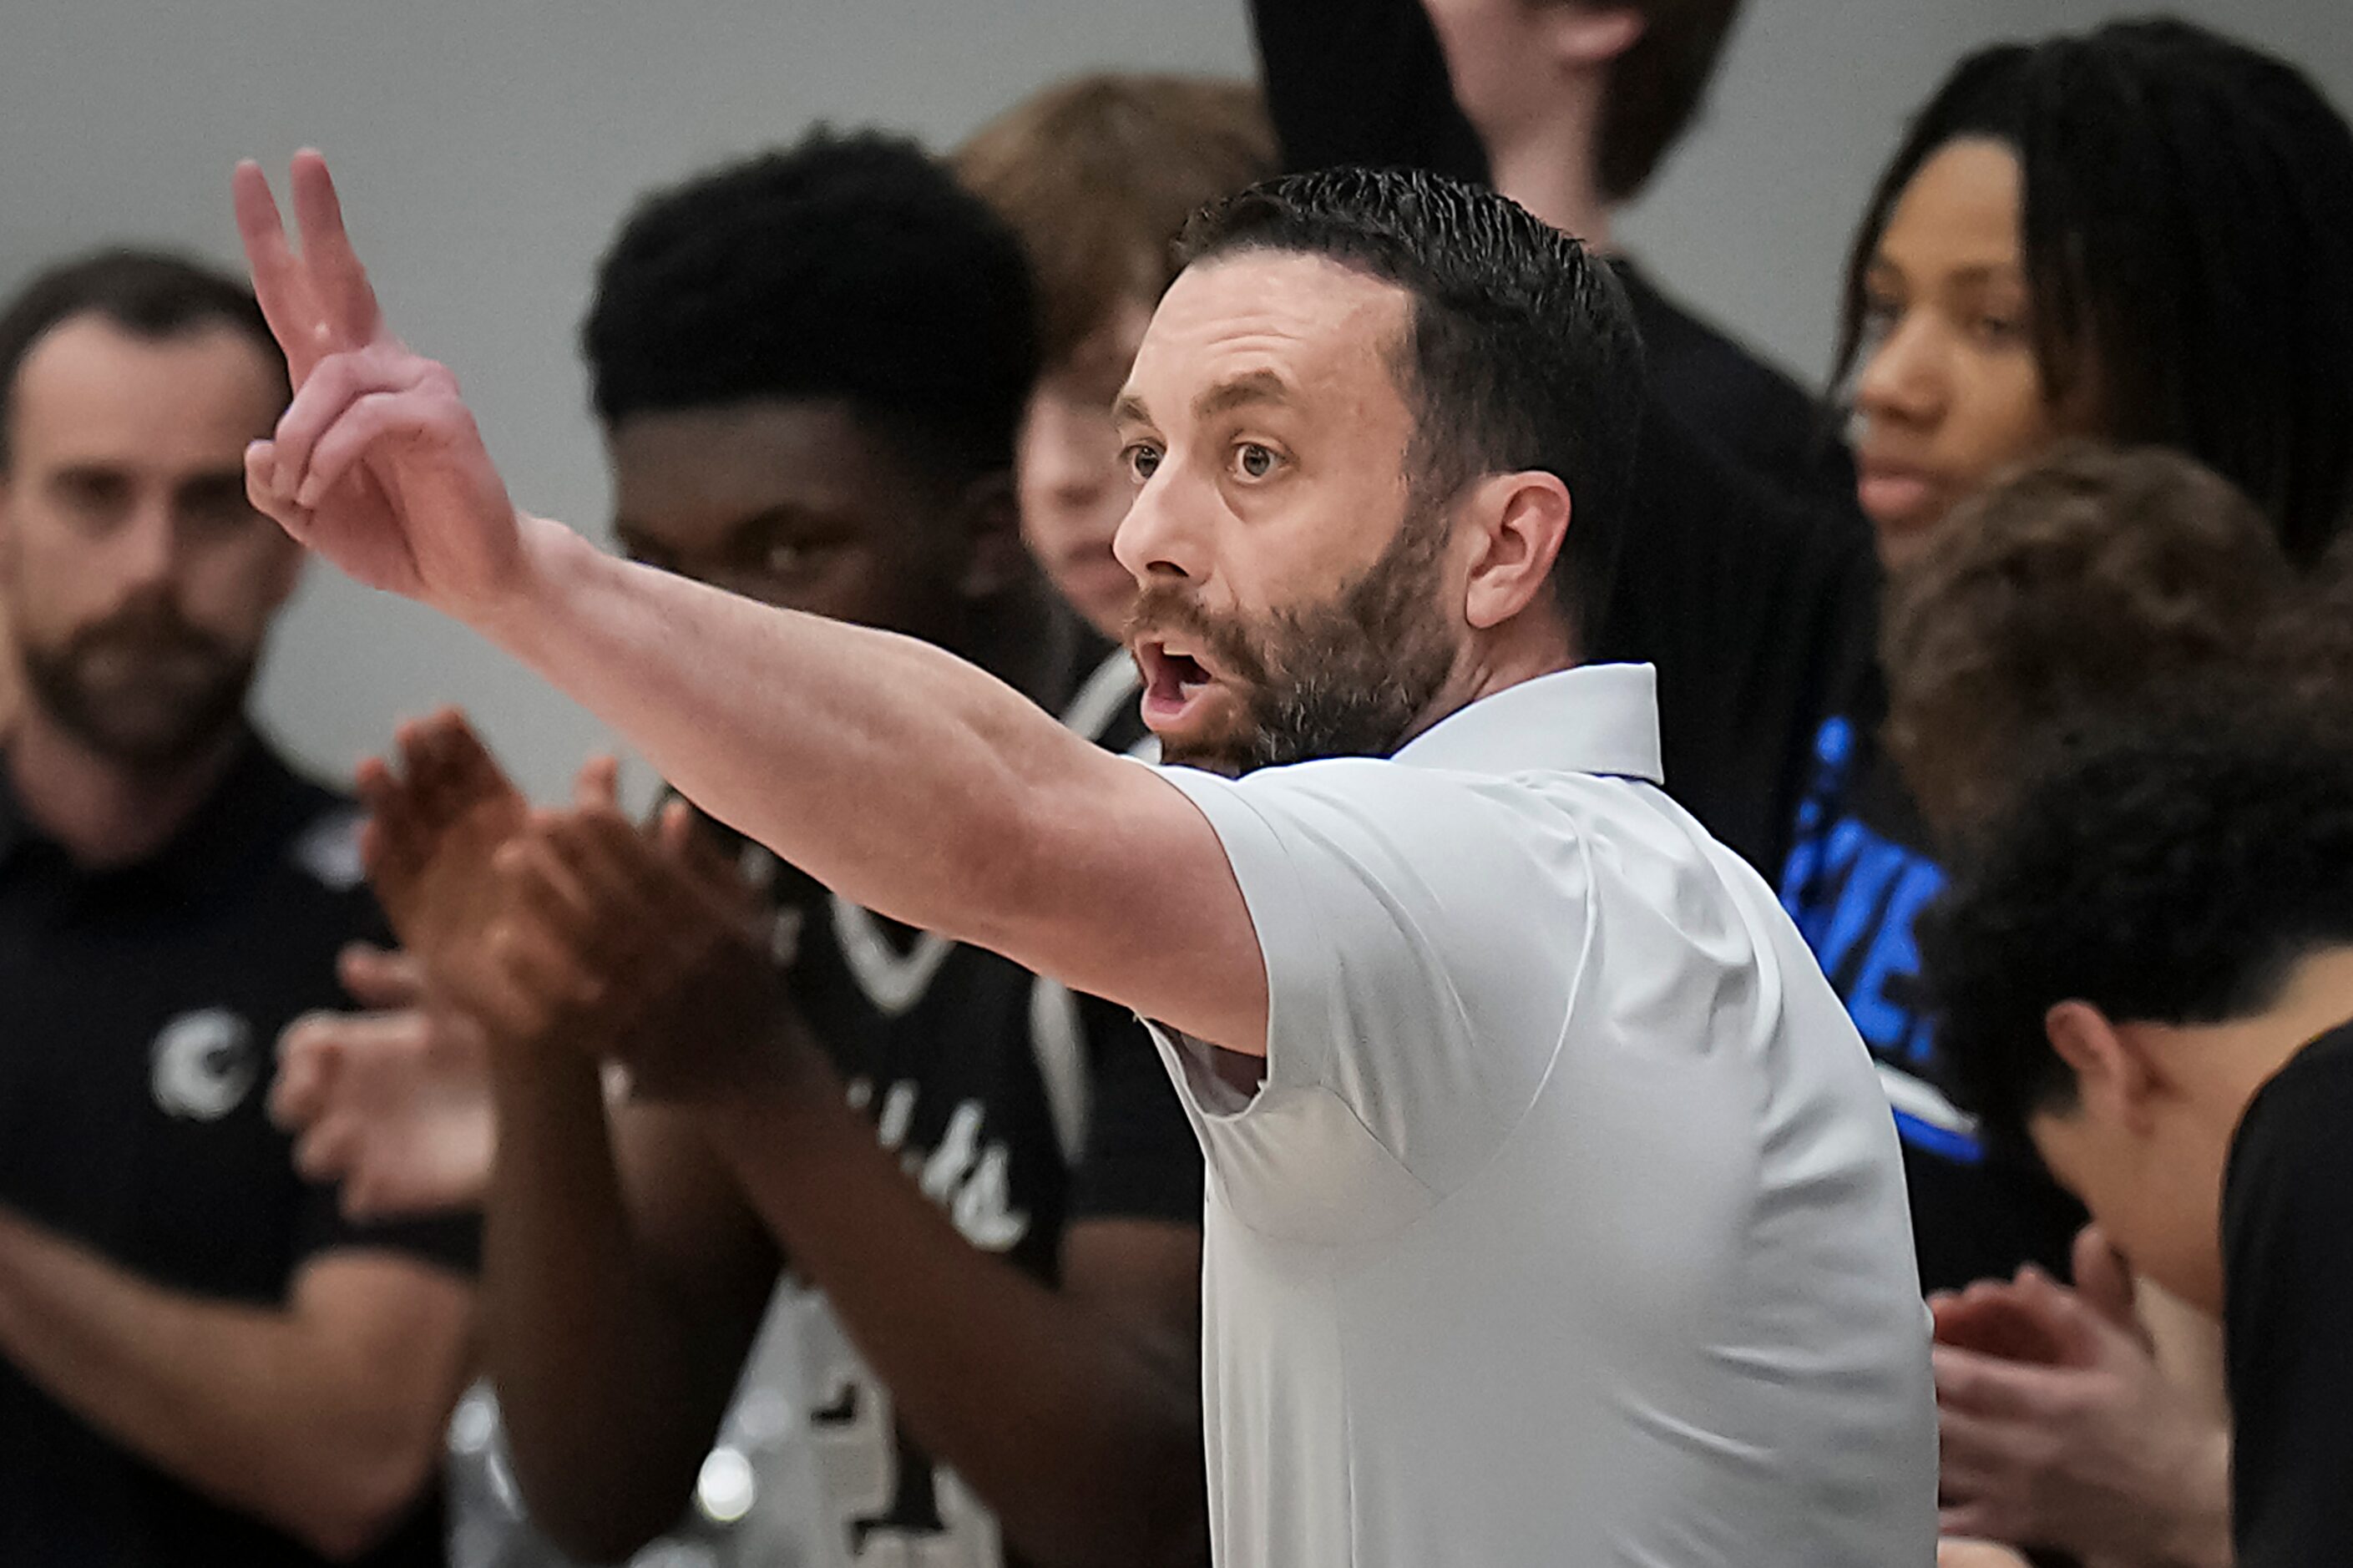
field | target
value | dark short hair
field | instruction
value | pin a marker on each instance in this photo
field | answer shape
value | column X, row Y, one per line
column 152, row 294
column 2186, row 249
column 2171, row 871
column 2091, row 581
column 848, row 266
column 1655, row 88
column 1522, row 352
column 1098, row 173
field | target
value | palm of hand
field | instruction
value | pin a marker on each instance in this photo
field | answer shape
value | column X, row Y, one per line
column 434, row 838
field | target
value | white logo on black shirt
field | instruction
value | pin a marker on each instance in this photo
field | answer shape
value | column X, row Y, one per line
column 205, row 1065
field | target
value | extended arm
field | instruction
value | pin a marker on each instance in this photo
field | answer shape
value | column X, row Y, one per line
column 323, row 1417
column 906, row 780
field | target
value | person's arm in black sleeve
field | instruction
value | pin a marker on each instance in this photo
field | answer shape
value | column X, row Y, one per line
column 1361, row 81
column 2287, row 1232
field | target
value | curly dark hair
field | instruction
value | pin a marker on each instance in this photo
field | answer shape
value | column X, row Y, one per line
column 845, row 266
column 2184, row 248
column 1522, row 352
column 2172, row 870
column 2092, row 581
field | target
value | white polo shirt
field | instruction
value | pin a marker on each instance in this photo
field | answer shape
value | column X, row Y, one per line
column 1569, row 1228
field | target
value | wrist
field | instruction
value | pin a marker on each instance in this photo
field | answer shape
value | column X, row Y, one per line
column 546, row 554
column 2200, row 1536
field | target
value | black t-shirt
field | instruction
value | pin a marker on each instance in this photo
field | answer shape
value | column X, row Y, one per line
column 1020, row 1107
column 1855, row 883
column 2287, row 1313
column 1365, row 81
column 140, row 1007
column 1747, row 576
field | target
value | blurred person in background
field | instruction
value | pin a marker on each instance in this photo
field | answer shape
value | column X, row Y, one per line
column 1746, row 577
column 2094, row 584
column 201, row 1362
column 1096, row 175
column 2145, row 970
column 982, row 1192
column 2116, row 235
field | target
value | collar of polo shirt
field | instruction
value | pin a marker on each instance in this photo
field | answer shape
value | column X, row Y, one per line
column 1597, row 719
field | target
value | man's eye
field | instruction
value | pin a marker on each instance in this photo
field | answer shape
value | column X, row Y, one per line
column 1253, row 461
column 1143, row 462
column 788, row 555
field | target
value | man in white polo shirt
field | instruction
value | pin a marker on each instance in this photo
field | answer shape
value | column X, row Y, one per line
column 1554, row 1216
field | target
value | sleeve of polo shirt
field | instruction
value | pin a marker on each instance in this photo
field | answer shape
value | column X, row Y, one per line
column 1421, row 932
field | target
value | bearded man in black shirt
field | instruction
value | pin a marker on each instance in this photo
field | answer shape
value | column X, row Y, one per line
column 201, row 1362
column 2148, row 975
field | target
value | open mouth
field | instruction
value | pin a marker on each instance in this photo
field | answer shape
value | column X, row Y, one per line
column 1172, row 678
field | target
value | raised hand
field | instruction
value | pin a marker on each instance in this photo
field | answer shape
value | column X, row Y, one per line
column 643, row 948
column 393, row 1102
column 376, row 464
column 434, row 826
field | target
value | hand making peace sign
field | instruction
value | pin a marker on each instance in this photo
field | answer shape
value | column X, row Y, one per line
column 376, row 463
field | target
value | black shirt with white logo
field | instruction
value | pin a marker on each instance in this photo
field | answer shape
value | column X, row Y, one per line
column 2287, row 1313
column 139, row 1013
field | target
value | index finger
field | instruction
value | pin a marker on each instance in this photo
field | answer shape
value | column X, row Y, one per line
column 276, row 276
column 339, row 283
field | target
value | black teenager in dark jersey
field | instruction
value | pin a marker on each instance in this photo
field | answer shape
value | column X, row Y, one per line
column 137, row 1011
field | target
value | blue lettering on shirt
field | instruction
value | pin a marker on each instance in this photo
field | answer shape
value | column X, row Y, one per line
column 1855, row 895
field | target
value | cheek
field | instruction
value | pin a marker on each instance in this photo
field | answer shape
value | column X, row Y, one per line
column 2000, row 415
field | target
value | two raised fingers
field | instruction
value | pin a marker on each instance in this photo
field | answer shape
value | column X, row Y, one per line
column 320, row 300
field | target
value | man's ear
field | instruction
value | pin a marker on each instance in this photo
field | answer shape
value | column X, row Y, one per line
column 1589, row 36
column 2117, row 1073
column 1518, row 523
column 990, row 518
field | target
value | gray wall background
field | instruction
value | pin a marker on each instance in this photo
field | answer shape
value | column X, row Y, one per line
column 486, row 148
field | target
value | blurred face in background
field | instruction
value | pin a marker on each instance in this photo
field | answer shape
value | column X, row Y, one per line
column 1947, row 388
column 140, row 585
column 1075, row 490
column 805, row 504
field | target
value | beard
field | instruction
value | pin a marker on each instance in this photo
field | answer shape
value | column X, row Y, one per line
column 1350, row 678
column 142, row 688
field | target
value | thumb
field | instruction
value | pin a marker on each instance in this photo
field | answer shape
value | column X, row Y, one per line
column 380, row 980
column 2105, row 1281
column 600, row 785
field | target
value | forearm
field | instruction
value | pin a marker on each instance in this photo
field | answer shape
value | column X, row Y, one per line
column 898, row 776
column 242, row 1403
column 1080, row 1431
column 608, row 1408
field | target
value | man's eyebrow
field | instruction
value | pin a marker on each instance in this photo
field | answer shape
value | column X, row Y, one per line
column 1130, row 410
column 1253, row 387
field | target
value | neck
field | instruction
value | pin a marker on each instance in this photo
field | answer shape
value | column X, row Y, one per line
column 1523, row 649
column 104, row 814
column 2224, row 1063
column 1547, row 168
